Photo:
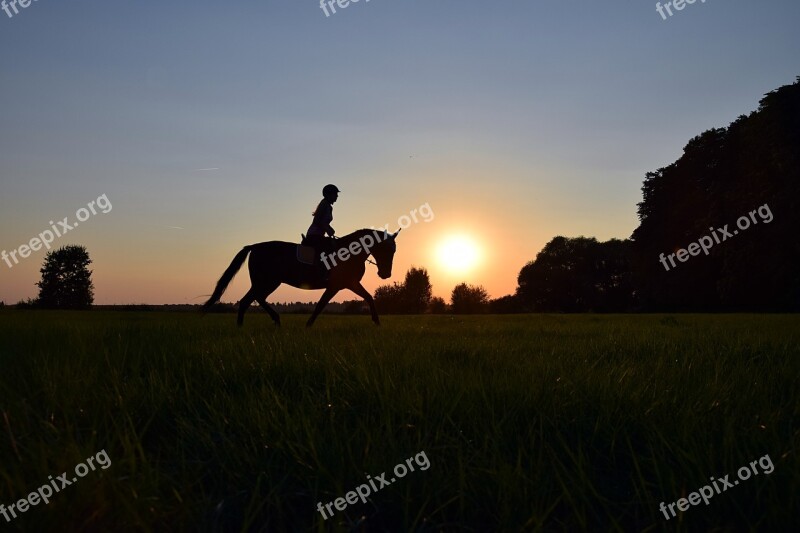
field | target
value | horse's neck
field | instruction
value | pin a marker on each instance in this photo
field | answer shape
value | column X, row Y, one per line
column 355, row 236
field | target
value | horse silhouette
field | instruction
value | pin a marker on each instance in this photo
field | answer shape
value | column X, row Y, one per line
column 275, row 262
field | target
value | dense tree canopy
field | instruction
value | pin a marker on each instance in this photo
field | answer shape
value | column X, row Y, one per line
column 578, row 275
column 725, row 174
column 749, row 170
column 469, row 299
column 66, row 279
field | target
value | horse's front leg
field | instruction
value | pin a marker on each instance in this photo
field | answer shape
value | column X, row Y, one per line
column 359, row 289
column 326, row 297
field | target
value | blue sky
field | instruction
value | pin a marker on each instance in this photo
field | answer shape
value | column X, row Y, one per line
column 516, row 121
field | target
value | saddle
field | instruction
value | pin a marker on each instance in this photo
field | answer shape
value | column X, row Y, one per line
column 305, row 253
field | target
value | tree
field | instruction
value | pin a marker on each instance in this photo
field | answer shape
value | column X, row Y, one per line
column 578, row 275
column 410, row 297
column 437, row 306
column 505, row 304
column 469, row 299
column 388, row 298
column 66, row 279
column 417, row 291
column 725, row 174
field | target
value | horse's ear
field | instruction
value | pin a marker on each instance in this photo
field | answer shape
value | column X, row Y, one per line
column 394, row 235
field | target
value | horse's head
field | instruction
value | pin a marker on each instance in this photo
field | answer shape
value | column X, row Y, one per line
column 383, row 252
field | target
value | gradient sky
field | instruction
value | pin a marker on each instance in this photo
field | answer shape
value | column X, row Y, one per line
column 515, row 121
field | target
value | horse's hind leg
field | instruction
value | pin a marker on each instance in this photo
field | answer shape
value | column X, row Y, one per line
column 244, row 303
column 262, row 301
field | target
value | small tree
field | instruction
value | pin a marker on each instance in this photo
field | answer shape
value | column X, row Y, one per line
column 66, row 279
column 437, row 306
column 505, row 304
column 388, row 298
column 417, row 291
column 410, row 297
column 469, row 299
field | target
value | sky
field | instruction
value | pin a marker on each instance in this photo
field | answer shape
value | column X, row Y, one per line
column 212, row 125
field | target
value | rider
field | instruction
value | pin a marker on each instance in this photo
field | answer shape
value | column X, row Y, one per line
column 323, row 216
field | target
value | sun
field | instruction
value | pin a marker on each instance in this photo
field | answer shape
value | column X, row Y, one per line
column 458, row 254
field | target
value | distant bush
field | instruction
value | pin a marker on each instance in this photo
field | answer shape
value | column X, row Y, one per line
column 137, row 307
column 437, row 306
column 505, row 304
column 355, row 307
column 30, row 303
column 222, row 308
column 469, row 299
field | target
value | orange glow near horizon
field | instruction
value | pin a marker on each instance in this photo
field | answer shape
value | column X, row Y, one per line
column 140, row 257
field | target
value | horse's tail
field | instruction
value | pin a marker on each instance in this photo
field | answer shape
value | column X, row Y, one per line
column 226, row 278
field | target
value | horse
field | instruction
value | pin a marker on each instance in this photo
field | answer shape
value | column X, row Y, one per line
column 274, row 262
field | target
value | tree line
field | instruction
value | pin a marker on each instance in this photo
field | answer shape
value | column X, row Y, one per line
column 415, row 295
column 724, row 175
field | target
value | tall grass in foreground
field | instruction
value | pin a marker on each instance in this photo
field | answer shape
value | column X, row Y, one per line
column 534, row 422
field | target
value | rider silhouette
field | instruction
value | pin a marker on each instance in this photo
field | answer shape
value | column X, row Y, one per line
column 323, row 216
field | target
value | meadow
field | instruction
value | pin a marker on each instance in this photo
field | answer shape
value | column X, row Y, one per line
column 530, row 422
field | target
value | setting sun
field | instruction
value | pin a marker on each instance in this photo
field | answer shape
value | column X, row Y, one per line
column 458, row 254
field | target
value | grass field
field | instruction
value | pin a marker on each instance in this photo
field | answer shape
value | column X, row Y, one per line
column 530, row 422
